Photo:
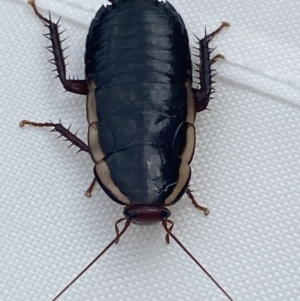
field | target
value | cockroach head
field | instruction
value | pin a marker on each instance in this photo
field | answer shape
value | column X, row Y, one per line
column 146, row 214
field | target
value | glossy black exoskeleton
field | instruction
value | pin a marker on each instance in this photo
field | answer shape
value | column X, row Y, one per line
column 141, row 107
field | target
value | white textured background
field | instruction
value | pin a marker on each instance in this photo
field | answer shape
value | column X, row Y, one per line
column 246, row 168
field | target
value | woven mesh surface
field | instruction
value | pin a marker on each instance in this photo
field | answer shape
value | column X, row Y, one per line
column 246, row 169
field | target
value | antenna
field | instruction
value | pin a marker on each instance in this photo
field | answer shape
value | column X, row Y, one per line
column 114, row 241
column 169, row 232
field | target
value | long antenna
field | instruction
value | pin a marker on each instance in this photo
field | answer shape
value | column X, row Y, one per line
column 115, row 240
column 169, row 232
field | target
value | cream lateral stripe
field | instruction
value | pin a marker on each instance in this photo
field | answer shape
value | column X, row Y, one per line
column 97, row 153
column 104, row 176
column 184, row 176
column 91, row 107
column 191, row 111
column 92, row 85
column 189, row 148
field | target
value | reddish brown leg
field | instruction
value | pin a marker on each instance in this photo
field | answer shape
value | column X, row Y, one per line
column 212, row 34
column 74, row 86
column 88, row 193
column 205, row 72
column 191, row 197
column 170, row 228
column 58, row 127
column 216, row 57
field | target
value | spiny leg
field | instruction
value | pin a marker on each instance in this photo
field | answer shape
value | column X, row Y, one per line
column 71, row 85
column 191, row 197
column 203, row 95
column 58, row 127
column 64, row 132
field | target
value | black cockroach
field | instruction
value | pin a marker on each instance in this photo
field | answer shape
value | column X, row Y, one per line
column 141, row 108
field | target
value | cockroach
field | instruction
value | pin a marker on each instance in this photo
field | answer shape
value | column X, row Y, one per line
column 141, row 106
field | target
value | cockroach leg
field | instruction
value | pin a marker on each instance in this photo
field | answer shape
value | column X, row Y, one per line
column 216, row 57
column 203, row 94
column 212, row 34
column 58, row 127
column 88, row 193
column 72, row 85
column 191, row 197
column 170, row 229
